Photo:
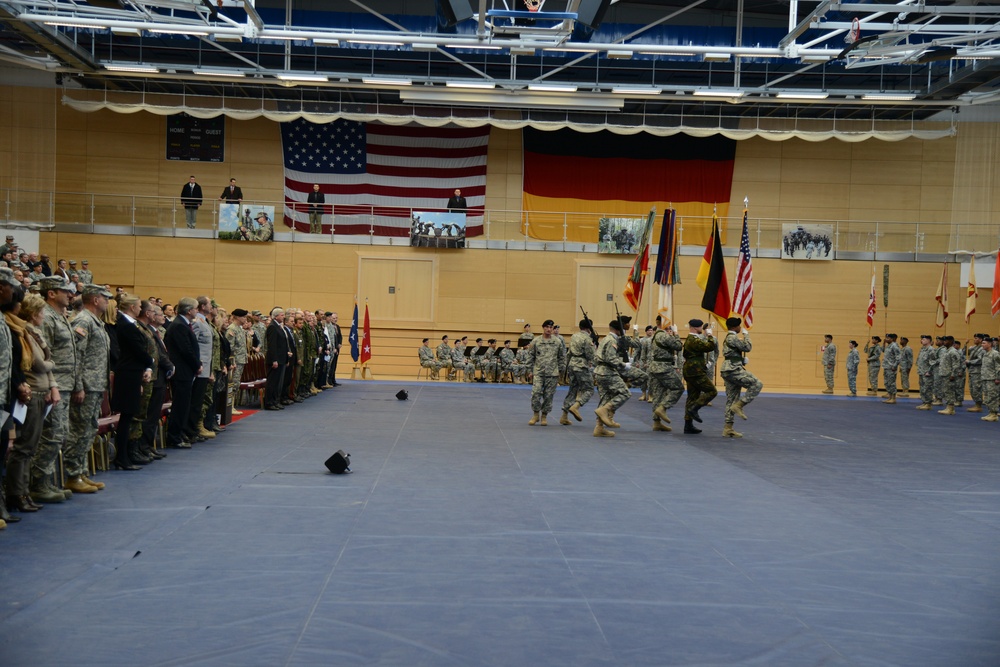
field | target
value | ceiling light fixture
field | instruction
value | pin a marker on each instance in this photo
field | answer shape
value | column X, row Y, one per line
column 801, row 95
column 718, row 92
column 374, row 42
column 180, row 31
column 487, row 85
column 478, row 47
column 552, row 88
column 719, row 57
column 619, row 55
column 320, row 41
column 76, row 24
column 896, row 97
column 217, row 72
column 305, row 78
column 636, row 90
column 376, row 81
column 146, row 69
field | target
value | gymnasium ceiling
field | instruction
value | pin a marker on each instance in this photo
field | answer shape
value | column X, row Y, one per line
column 906, row 60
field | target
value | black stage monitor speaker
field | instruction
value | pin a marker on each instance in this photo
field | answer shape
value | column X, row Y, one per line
column 591, row 12
column 339, row 463
column 402, row 395
column 451, row 12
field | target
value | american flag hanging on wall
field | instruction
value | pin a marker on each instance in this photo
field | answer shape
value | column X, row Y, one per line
column 373, row 175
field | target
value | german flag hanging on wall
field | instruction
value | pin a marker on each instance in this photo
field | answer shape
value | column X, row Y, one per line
column 624, row 175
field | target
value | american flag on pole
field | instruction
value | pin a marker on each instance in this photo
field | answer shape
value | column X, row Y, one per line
column 743, row 292
column 374, row 175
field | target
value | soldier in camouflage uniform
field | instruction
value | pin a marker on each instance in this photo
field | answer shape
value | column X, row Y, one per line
column 990, row 376
column 459, row 361
column 609, row 369
column 926, row 364
column 580, row 365
column 736, row 376
column 309, row 352
column 521, row 369
column 874, row 351
column 700, row 389
column 506, row 359
column 427, row 360
column 905, row 364
column 84, row 274
column 641, row 361
column 853, row 361
column 236, row 334
column 974, row 362
column 137, row 452
column 61, row 341
column 444, row 356
column 952, row 368
column 547, row 358
column 939, row 352
column 665, row 384
column 93, row 352
column 490, row 363
column 829, row 362
column 260, row 329
column 890, row 366
column 298, row 322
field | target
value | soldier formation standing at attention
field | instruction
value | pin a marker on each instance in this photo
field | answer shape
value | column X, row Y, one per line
column 874, row 351
column 926, row 363
column 853, row 361
column 664, row 378
column 829, row 362
column 547, row 359
column 610, row 385
column 890, row 365
column 736, row 376
column 974, row 362
column 905, row 364
column 701, row 390
column 939, row 351
column 581, row 355
column 952, row 369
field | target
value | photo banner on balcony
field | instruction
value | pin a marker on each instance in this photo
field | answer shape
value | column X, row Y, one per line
column 435, row 229
column 806, row 241
column 246, row 223
column 569, row 174
column 373, row 175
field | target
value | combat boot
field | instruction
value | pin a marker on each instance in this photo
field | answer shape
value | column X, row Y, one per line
column 891, row 400
column 564, row 420
column 992, row 417
column 660, row 413
column 689, row 427
column 936, row 402
column 978, row 407
column 853, row 394
column 601, row 432
column 613, row 424
column 924, row 406
column 575, row 411
column 96, row 485
column 657, row 426
column 603, row 414
column 828, row 391
column 871, row 393
column 950, row 410
column 738, row 409
column 643, row 397
column 77, row 485
column 544, row 421
column 534, row 419
column 728, row 432
column 43, row 493
column 204, row 432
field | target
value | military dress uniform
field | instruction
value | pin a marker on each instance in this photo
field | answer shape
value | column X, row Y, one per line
column 581, row 355
column 62, row 344
column 665, row 385
column 700, row 389
column 829, row 365
column 613, row 393
column 853, row 362
column 890, row 365
column 547, row 359
column 874, row 352
column 737, row 378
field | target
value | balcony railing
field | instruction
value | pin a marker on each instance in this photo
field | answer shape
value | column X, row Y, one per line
column 501, row 229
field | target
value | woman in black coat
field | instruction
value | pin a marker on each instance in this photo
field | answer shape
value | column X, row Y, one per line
column 133, row 368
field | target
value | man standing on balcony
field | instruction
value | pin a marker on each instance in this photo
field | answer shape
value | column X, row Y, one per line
column 457, row 203
column 191, row 199
column 316, row 200
column 232, row 194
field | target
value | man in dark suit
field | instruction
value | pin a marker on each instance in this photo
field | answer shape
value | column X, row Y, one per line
column 232, row 194
column 276, row 360
column 134, row 367
column 457, row 203
column 191, row 199
column 151, row 318
column 336, row 340
column 316, row 200
column 182, row 346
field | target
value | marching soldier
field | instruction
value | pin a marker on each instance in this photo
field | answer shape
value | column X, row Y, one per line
column 427, row 360
column 736, row 376
column 990, row 376
column 610, row 385
column 699, row 384
column 664, row 380
column 874, row 351
column 547, row 358
column 890, row 365
column 581, row 374
column 952, row 372
column 829, row 362
column 974, row 362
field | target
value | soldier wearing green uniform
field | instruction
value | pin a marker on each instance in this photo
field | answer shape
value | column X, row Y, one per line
column 547, row 359
column 260, row 329
column 608, row 372
column 61, row 340
column 853, row 361
column 829, row 362
column 506, row 359
column 890, row 366
column 137, row 453
column 926, row 365
column 952, row 368
column 736, row 376
column 237, row 336
column 699, row 384
column 874, row 351
column 458, row 361
column 974, row 362
column 905, row 364
column 939, row 352
column 990, row 376
column 84, row 274
column 663, row 376
column 427, row 360
column 310, row 348
column 580, row 372
column 444, row 356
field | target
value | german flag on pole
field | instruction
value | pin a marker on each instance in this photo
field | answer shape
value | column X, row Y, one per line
column 712, row 278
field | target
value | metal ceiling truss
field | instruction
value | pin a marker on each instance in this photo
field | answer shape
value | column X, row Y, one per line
column 907, row 59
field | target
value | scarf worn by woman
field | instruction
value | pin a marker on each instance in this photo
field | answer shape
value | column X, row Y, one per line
column 18, row 327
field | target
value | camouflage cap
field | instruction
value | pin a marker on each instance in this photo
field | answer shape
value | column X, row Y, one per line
column 55, row 282
column 255, row 312
column 72, row 262
column 7, row 276
column 96, row 290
